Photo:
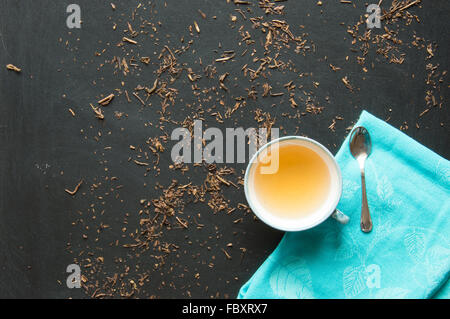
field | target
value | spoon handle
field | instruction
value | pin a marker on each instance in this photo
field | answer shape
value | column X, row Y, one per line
column 366, row 221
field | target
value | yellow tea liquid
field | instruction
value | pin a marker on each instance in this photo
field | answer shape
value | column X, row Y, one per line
column 300, row 185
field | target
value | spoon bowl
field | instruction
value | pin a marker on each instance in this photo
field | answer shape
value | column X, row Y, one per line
column 360, row 142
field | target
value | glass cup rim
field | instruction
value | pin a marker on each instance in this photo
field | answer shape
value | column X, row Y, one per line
column 262, row 216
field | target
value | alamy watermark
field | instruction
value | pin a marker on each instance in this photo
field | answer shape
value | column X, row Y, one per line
column 74, row 279
column 74, row 19
column 196, row 146
column 374, row 18
column 373, row 279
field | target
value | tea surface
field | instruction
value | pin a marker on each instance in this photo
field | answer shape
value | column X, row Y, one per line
column 300, row 185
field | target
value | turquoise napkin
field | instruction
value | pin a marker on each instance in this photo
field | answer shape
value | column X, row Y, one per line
column 407, row 254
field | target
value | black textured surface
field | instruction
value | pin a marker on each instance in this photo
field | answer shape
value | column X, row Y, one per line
column 39, row 138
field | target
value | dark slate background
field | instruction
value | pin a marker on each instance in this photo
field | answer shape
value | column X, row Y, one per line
column 39, row 138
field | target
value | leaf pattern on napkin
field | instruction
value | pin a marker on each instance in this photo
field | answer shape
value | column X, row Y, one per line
column 354, row 281
column 438, row 255
column 437, row 260
column 443, row 170
column 415, row 244
column 292, row 279
column 385, row 193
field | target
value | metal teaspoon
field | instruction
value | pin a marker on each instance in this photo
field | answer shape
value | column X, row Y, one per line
column 360, row 147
